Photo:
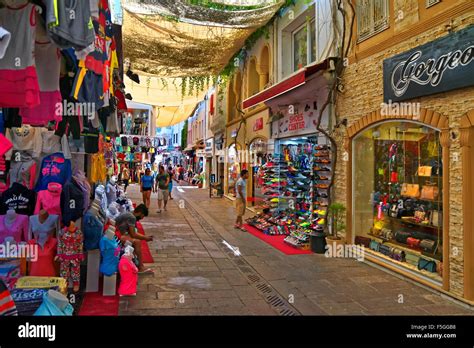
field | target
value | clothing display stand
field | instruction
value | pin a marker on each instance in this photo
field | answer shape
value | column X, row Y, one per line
column 93, row 263
column 110, row 285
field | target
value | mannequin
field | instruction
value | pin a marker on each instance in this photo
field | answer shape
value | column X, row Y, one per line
column 43, row 223
column 128, row 274
column 110, row 251
column 112, row 190
column 54, row 304
column 70, row 254
column 10, row 217
column 43, row 228
column 14, row 225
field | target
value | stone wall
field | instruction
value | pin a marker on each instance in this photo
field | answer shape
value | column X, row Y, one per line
column 363, row 93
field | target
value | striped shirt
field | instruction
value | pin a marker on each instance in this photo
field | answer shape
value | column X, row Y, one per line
column 7, row 306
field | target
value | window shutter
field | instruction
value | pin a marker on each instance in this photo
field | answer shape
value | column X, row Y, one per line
column 364, row 19
column 380, row 15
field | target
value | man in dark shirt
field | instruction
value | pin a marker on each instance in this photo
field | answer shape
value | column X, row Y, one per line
column 126, row 224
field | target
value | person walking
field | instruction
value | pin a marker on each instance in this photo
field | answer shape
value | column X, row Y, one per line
column 161, row 186
column 146, row 186
column 170, row 185
column 241, row 200
column 125, row 177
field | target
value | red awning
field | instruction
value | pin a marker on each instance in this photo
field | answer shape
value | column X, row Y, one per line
column 290, row 83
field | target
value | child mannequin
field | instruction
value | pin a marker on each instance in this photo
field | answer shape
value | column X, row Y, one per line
column 70, row 254
column 128, row 274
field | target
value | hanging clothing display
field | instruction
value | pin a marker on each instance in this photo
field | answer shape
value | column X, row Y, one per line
column 66, row 30
column 18, row 228
column 23, row 169
column 54, row 168
column 19, row 198
column 48, row 226
column 72, row 202
column 48, row 64
column 19, row 87
column 53, row 143
column 93, row 229
column 25, row 138
column 49, row 199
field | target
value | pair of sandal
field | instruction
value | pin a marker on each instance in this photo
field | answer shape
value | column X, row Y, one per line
column 237, row 227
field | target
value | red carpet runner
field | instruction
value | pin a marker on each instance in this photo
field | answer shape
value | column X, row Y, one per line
column 94, row 304
column 146, row 254
column 276, row 242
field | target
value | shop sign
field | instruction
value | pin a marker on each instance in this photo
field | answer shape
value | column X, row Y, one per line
column 258, row 125
column 438, row 66
column 200, row 153
column 209, row 147
column 295, row 124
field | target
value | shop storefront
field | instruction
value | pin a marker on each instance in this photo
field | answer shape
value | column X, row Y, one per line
column 233, row 168
column 408, row 172
column 296, row 177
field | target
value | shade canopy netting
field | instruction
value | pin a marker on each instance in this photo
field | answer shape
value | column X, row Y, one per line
column 165, row 40
column 201, row 42
column 170, row 107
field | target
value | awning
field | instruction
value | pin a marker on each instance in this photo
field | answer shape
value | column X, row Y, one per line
column 294, row 81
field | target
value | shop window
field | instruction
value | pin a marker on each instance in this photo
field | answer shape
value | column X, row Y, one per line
column 372, row 18
column 397, row 195
column 253, row 78
column 304, row 45
column 233, row 168
column 258, row 158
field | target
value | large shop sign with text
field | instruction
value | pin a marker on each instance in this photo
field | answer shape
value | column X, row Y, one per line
column 438, row 66
column 298, row 123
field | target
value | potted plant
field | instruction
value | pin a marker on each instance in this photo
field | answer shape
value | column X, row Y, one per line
column 336, row 217
column 202, row 177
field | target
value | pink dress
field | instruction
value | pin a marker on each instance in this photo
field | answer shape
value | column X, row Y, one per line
column 128, row 277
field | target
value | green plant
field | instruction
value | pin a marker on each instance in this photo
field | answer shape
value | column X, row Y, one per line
column 336, row 214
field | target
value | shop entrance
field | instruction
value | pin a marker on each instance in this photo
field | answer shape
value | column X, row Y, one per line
column 233, row 168
column 258, row 158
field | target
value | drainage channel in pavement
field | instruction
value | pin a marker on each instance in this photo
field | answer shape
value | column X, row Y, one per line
column 271, row 296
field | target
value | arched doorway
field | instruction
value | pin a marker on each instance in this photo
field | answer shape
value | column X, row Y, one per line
column 233, row 167
column 258, row 157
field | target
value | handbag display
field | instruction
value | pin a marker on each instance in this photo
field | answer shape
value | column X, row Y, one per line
column 402, row 236
column 412, row 259
column 410, row 190
column 374, row 245
column 385, row 249
column 428, row 245
column 436, row 217
column 424, row 170
column 386, row 234
column 398, row 254
column 420, row 215
column 429, row 192
column 362, row 241
column 413, row 242
column 427, row 265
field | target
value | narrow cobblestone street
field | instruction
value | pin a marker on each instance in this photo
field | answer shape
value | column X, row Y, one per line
column 196, row 274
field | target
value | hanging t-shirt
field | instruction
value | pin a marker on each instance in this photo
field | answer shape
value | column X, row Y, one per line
column 19, row 87
column 25, row 138
column 18, row 229
column 23, row 169
column 18, row 198
column 110, row 251
column 54, row 168
column 66, row 30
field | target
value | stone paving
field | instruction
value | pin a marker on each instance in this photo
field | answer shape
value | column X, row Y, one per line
column 195, row 276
